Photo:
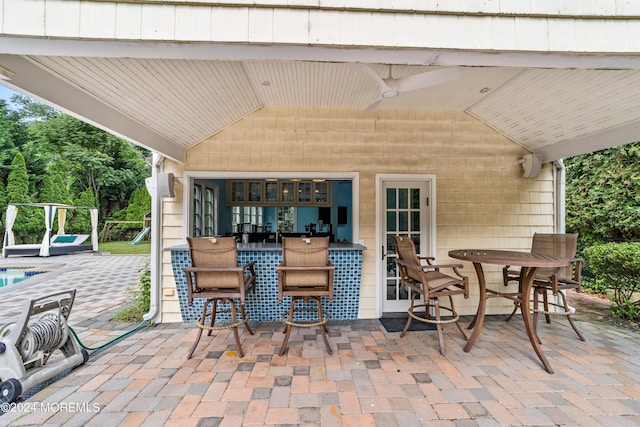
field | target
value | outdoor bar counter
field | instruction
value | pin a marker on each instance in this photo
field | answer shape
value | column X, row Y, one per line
column 263, row 304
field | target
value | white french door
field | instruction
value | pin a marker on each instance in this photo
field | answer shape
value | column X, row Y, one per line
column 406, row 209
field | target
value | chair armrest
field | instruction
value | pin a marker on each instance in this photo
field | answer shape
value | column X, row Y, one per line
column 454, row 267
column 210, row 269
column 577, row 269
column 509, row 275
column 251, row 266
column 427, row 258
column 314, row 268
column 436, row 266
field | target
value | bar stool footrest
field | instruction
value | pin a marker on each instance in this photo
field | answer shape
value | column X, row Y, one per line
column 295, row 323
column 454, row 319
column 201, row 325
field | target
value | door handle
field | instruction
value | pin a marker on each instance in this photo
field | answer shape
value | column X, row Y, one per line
column 383, row 254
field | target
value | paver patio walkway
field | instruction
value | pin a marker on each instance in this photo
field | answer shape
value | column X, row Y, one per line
column 373, row 378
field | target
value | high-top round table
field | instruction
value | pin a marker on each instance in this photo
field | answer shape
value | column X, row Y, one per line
column 529, row 263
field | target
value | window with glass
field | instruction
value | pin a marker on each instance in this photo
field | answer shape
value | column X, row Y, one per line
column 245, row 215
column 209, row 209
column 286, row 219
column 197, row 210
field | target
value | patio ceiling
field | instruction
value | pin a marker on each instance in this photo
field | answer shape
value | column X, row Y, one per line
column 557, row 108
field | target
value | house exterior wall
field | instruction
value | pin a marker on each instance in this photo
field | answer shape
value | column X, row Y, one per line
column 482, row 198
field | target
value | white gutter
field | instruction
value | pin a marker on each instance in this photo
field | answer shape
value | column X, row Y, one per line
column 560, row 205
column 560, row 209
column 156, row 242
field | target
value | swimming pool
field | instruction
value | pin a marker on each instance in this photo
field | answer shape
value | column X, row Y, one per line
column 10, row 276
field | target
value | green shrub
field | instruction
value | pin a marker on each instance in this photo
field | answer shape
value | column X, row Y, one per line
column 617, row 265
column 141, row 294
column 591, row 285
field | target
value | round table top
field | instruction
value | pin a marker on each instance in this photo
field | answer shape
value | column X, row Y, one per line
column 501, row 257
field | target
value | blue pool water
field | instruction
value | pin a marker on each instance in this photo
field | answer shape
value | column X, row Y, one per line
column 10, row 276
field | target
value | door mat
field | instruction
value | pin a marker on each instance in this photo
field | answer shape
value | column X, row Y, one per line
column 396, row 324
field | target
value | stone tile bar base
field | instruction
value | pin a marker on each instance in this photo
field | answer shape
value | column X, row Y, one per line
column 263, row 304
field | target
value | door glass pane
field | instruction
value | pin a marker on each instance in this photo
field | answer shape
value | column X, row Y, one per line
column 403, row 198
column 403, row 294
column 403, row 221
column 416, row 241
column 415, row 221
column 391, row 198
column 415, row 198
column 391, row 290
column 391, row 246
column 391, row 221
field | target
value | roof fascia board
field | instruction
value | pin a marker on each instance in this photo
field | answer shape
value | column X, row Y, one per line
column 610, row 138
column 247, row 52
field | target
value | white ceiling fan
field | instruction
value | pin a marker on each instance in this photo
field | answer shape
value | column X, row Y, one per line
column 391, row 88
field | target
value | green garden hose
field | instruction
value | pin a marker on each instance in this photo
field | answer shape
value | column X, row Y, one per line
column 108, row 342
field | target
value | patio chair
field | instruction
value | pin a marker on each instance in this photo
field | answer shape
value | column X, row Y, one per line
column 215, row 275
column 426, row 280
column 555, row 280
column 305, row 274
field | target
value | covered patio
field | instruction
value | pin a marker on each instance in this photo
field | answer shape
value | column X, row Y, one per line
column 290, row 90
column 467, row 94
column 373, row 378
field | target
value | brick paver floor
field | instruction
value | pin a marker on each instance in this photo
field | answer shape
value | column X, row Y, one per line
column 374, row 378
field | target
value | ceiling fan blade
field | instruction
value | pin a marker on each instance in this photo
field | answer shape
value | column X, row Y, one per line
column 424, row 80
column 372, row 106
column 374, row 76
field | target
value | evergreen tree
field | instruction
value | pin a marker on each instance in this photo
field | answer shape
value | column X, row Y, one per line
column 18, row 181
column 3, row 205
column 81, row 220
column 29, row 224
column 139, row 205
column 47, row 191
column 61, row 190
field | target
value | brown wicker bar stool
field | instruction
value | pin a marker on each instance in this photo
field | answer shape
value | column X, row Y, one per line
column 305, row 274
column 425, row 279
column 215, row 275
column 556, row 280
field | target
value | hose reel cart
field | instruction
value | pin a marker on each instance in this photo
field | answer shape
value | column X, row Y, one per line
column 27, row 345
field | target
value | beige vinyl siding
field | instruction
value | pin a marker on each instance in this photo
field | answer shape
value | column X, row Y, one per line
column 482, row 198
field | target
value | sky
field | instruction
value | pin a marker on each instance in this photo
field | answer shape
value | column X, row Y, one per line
column 6, row 94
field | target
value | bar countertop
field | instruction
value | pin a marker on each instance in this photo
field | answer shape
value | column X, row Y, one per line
column 242, row 247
